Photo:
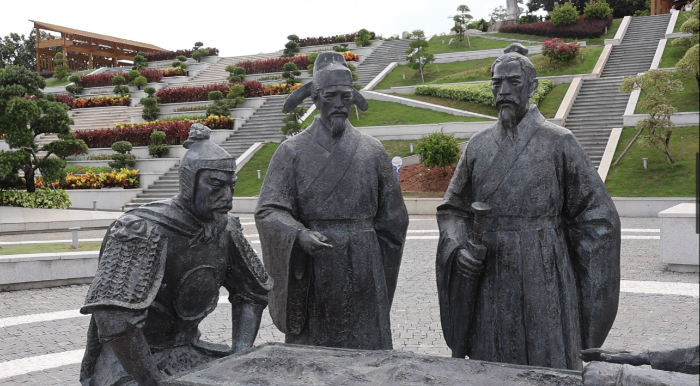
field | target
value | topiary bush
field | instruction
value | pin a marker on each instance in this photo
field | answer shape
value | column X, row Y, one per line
column 597, row 10
column 363, row 38
column 478, row 92
column 150, row 105
column 60, row 70
column 292, row 46
column 139, row 82
column 564, row 14
column 157, row 148
column 119, row 89
column 438, row 149
column 237, row 73
column 122, row 160
column 292, row 124
column 291, row 71
column 199, row 52
column 74, row 88
column 140, row 61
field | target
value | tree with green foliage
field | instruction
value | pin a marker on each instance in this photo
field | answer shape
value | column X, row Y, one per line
column 656, row 85
column 498, row 13
column 461, row 20
column 237, row 74
column 139, row 81
column 690, row 62
column 199, row 52
column 481, row 24
column 74, row 88
column 418, row 56
column 60, row 69
column 363, row 38
column 140, row 61
column 564, row 14
column 26, row 113
column 222, row 106
column 292, row 122
column 292, row 46
column 119, row 89
column 16, row 50
column 181, row 62
column 290, row 72
column 342, row 44
column 123, row 159
column 438, row 149
column 150, row 105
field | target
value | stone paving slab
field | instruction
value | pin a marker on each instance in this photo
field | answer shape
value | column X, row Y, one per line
column 643, row 320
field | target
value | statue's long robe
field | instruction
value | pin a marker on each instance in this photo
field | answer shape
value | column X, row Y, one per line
column 346, row 189
column 550, row 284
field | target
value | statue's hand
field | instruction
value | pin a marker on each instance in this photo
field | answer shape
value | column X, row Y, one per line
column 312, row 242
column 621, row 357
column 470, row 261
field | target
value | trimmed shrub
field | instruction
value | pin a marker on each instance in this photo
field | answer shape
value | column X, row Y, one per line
column 169, row 55
column 599, row 10
column 66, row 99
column 329, row 40
column 560, row 51
column 140, row 61
column 281, row 89
column 157, row 148
column 60, row 69
column 100, row 80
column 237, row 74
column 564, row 14
column 583, row 28
column 478, row 92
column 46, row 74
column 122, row 147
column 273, row 65
column 150, row 105
column 438, row 149
column 290, row 73
column 41, row 198
column 122, row 160
column 363, row 38
column 527, row 19
column 119, row 80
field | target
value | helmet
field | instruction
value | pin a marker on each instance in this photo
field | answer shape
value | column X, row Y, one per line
column 201, row 154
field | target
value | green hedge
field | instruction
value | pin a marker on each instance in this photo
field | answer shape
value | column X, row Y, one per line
column 478, row 92
column 41, row 198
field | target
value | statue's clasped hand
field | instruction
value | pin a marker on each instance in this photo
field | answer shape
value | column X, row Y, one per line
column 470, row 260
column 312, row 242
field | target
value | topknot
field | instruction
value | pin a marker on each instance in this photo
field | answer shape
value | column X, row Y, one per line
column 198, row 132
column 517, row 48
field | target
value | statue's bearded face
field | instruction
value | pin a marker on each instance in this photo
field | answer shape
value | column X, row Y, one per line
column 334, row 103
column 213, row 195
column 512, row 90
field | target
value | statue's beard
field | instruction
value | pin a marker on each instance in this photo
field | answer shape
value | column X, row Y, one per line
column 338, row 123
column 507, row 115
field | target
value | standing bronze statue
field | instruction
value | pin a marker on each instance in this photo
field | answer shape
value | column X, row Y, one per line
column 528, row 262
column 332, row 223
column 160, row 270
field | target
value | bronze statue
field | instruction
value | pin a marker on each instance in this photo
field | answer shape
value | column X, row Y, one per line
column 528, row 262
column 678, row 359
column 160, row 270
column 332, row 223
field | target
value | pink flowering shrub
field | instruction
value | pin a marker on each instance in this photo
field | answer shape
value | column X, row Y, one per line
column 560, row 51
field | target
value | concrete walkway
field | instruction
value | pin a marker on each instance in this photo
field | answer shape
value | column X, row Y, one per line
column 14, row 219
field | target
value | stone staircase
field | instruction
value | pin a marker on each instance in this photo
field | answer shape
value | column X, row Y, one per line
column 263, row 126
column 637, row 49
column 102, row 117
column 598, row 108
column 389, row 51
column 216, row 73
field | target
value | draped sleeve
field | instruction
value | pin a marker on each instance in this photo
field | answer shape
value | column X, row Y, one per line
column 593, row 238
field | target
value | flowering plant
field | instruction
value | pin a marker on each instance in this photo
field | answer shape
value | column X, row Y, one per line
column 281, row 89
column 174, row 72
column 350, row 56
column 102, row 101
column 560, row 51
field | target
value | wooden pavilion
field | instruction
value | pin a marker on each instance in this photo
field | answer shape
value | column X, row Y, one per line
column 84, row 50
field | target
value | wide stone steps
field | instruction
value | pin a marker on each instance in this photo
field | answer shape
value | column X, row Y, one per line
column 389, row 51
column 637, row 49
column 101, row 117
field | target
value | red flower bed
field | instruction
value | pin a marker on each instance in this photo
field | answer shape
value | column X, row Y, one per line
column 583, row 28
column 252, row 88
column 65, row 98
column 102, row 101
column 349, row 38
column 100, row 80
column 139, row 134
column 174, row 72
column 169, row 55
column 273, row 64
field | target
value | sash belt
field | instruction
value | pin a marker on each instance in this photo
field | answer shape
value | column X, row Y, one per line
column 344, row 225
column 510, row 224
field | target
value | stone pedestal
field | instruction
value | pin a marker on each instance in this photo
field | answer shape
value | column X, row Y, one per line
column 679, row 240
column 280, row 364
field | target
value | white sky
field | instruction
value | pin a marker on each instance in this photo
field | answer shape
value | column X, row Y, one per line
column 236, row 27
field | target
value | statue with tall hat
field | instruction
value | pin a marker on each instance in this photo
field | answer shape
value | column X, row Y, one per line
column 528, row 261
column 160, row 270
column 332, row 223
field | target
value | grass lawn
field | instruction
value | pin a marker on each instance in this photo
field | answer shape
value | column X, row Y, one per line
column 661, row 179
column 550, row 104
column 248, row 184
column 479, row 69
column 53, row 82
column 400, row 147
column 49, row 248
column 389, row 114
column 612, row 30
column 672, row 55
column 687, row 100
column 436, row 46
column 682, row 18
column 466, row 106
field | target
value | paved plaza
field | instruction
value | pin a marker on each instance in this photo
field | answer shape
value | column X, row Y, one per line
column 42, row 335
